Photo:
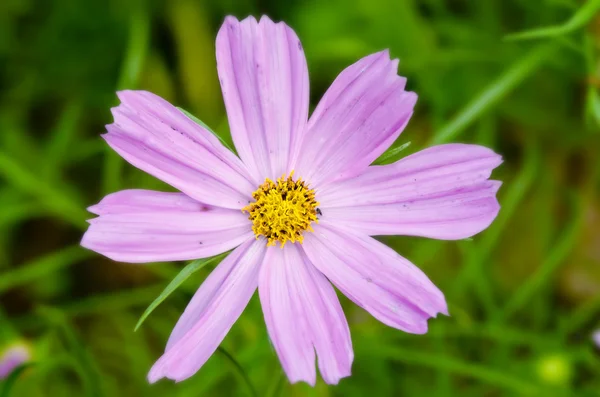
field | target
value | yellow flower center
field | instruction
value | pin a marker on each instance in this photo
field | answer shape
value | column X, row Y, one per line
column 283, row 210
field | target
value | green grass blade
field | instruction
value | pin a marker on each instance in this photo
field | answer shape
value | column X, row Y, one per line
column 133, row 64
column 478, row 255
column 578, row 20
column 583, row 315
column 137, row 49
column 53, row 197
column 495, row 92
column 91, row 375
column 61, row 139
column 19, row 212
column 202, row 124
column 7, row 384
column 456, row 366
column 96, row 305
column 276, row 385
column 544, row 274
column 238, row 370
column 391, row 155
column 41, row 267
column 183, row 275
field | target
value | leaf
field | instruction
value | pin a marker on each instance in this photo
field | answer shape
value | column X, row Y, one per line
column 183, row 275
column 577, row 20
column 203, row 125
column 391, row 155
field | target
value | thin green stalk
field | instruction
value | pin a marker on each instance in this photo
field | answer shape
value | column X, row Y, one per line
column 275, row 388
column 577, row 20
column 510, row 201
column 51, row 196
column 592, row 102
column 183, row 275
column 496, row 91
column 453, row 365
column 62, row 138
column 500, row 334
column 443, row 380
column 101, row 303
column 91, row 374
column 133, row 63
column 548, row 268
column 41, row 267
column 17, row 212
column 581, row 316
column 238, row 370
column 6, row 385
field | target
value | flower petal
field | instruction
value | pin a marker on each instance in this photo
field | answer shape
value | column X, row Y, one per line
column 12, row 358
column 375, row 277
column 359, row 117
column 264, row 79
column 303, row 314
column 442, row 192
column 147, row 226
column 596, row 338
column 156, row 137
column 211, row 314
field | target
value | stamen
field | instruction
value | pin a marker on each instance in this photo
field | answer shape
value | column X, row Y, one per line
column 283, row 210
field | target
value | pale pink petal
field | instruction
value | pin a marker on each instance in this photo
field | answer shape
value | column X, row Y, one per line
column 210, row 316
column 596, row 338
column 303, row 315
column 375, row 277
column 264, row 79
column 359, row 117
column 201, row 299
column 156, row 137
column 147, row 226
column 442, row 192
column 12, row 358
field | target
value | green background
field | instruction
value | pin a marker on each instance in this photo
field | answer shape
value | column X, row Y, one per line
column 524, row 295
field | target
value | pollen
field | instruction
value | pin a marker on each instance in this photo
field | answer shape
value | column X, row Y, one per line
column 283, row 210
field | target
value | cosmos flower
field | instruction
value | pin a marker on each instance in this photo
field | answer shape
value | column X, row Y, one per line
column 297, row 207
column 13, row 357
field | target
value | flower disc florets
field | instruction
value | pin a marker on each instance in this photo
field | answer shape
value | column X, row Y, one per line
column 283, row 210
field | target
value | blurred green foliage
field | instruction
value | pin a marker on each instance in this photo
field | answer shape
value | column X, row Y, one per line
column 521, row 76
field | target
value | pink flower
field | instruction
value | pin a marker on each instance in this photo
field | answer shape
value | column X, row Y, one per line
column 596, row 337
column 297, row 207
column 12, row 358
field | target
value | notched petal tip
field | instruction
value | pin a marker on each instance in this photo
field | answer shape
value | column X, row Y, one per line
column 443, row 309
column 156, row 137
column 264, row 80
column 232, row 22
column 361, row 114
column 94, row 209
column 264, row 19
column 496, row 185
